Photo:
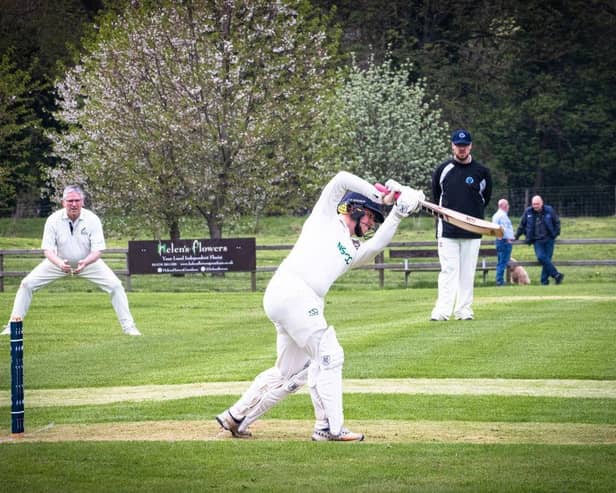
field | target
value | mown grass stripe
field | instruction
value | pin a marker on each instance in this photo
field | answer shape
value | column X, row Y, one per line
column 603, row 389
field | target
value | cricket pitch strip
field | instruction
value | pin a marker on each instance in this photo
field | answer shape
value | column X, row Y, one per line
column 377, row 431
column 300, row 430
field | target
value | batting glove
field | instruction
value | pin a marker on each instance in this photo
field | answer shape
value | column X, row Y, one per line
column 408, row 201
column 393, row 186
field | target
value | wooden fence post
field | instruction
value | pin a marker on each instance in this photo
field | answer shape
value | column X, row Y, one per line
column 379, row 259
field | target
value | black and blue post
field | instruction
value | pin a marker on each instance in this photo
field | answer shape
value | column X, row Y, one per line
column 17, row 377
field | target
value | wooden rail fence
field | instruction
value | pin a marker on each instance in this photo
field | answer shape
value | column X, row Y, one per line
column 383, row 262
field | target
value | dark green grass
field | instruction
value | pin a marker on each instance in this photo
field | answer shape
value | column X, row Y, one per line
column 285, row 467
column 240, row 281
column 194, row 337
column 199, row 335
column 395, row 407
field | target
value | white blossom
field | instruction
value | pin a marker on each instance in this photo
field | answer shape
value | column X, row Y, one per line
column 171, row 114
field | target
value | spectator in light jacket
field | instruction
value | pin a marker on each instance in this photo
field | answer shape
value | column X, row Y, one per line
column 503, row 245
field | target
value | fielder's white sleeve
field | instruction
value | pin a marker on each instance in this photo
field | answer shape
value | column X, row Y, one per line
column 49, row 233
column 95, row 230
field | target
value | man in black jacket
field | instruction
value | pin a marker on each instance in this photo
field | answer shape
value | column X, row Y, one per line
column 541, row 225
column 465, row 185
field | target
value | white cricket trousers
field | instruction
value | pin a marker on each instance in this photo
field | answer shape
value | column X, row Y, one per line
column 456, row 280
column 98, row 272
column 307, row 352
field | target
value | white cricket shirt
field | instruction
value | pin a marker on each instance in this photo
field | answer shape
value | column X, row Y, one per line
column 325, row 249
column 86, row 235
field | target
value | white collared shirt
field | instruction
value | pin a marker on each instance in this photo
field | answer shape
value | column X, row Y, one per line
column 86, row 235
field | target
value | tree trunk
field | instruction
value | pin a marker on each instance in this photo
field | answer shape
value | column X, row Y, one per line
column 174, row 234
column 174, row 230
column 214, row 228
column 215, row 233
column 538, row 178
column 25, row 206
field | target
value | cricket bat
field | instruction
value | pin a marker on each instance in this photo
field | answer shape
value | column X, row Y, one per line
column 459, row 219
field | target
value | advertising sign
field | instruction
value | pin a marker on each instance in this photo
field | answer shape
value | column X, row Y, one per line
column 192, row 256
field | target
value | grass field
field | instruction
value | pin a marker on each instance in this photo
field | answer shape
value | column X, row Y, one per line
column 553, row 433
column 521, row 399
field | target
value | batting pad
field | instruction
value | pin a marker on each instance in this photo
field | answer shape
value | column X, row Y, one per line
column 326, row 380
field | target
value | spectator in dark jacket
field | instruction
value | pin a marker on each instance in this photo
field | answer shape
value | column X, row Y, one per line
column 541, row 225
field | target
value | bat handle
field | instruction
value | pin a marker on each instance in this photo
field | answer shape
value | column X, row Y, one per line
column 383, row 189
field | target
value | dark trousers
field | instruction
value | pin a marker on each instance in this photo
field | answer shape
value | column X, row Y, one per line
column 503, row 255
column 544, row 249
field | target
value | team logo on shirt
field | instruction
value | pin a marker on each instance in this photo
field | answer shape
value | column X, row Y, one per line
column 313, row 312
column 469, row 180
column 348, row 258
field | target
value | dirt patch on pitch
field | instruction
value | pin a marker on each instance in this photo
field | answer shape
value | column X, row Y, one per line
column 296, row 430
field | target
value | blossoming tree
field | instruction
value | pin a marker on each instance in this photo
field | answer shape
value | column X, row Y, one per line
column 203, row 107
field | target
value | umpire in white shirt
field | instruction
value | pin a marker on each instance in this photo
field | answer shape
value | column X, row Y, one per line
column 73, row 241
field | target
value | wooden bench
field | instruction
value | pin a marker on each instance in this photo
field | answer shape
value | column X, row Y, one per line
column 408, row 255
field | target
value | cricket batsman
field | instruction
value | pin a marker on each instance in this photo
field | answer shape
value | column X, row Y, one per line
column 341, row 233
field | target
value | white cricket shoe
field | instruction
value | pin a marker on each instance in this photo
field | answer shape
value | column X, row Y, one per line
column 6, row 331
column 437, row 316
column 344, row 436
column 229, row 423
column 464, row 315
column 131, row 331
